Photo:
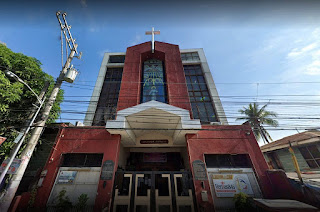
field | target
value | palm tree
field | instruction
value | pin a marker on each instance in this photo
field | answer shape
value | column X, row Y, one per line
column 257, row 118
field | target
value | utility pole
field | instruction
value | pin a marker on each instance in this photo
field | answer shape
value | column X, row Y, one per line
column 295, row 162
column 28, row 151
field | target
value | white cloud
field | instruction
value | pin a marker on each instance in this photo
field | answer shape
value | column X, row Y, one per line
column 304, row 58
column 309, row 47
column 316, row 53
column 294, row 52
column 300, row 51
column 294, row 56
column 313, row 68
column 316, row 32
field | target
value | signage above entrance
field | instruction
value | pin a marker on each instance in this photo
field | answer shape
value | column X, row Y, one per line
column 154, row 142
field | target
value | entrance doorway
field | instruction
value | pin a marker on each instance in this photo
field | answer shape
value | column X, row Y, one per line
column 153, row 191
column 155, row 161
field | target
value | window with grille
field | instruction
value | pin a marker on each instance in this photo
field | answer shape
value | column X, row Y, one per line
column 312, row 156
column 107, row 104
column 82, row 160
column 200, row 99
column 190, row 56
column 227, row 161
column 116, row 59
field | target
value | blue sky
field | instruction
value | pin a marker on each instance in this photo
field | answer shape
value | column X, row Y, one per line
column 265, row 52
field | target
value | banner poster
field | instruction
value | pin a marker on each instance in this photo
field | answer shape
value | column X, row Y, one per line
column 13, row 167
column 227, row 185
column 2, row 139
column 67, row 177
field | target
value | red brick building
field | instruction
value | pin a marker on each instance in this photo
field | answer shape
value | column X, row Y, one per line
column 156, row 138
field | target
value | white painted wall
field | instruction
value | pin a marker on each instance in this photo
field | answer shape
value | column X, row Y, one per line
column 86, row 182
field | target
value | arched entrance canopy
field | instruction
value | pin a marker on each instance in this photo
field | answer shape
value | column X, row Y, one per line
column 153, row 116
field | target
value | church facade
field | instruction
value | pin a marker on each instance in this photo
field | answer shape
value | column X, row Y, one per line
column 156, row 138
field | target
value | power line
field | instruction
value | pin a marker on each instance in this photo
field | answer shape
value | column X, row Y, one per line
column 218, row 128
column 281, row 126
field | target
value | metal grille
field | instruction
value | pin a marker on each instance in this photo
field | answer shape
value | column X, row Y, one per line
column 227, row 161
column 190, row 56
column 312, row 155
column 200, row 99
column 107, row 104
column 116, row 59
column 82, row 160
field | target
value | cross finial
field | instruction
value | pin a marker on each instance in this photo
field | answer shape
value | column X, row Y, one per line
column 153, row 33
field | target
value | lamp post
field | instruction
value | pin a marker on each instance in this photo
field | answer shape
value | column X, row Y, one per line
column 20, row 138
column 14, row 76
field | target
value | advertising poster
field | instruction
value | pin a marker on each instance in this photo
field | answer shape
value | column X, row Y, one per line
column 13, row 167
column 2, row 139
column 227, row 185
column 67, row 177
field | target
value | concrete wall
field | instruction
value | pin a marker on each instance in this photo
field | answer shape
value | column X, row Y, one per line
column 123, row 156
column 227, row 139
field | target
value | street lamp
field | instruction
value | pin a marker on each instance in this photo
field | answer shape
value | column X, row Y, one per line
column 22, row 135
column 14, row 76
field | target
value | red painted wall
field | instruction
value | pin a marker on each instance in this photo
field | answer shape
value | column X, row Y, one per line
column 226, row 139
column 130, row 90
column 81, row 140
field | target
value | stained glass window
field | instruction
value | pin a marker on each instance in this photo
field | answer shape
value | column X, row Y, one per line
column 153, row 83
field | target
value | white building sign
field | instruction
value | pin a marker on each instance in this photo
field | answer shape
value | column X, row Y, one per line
column 227, row 185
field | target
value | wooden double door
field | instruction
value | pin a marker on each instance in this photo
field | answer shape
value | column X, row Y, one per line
column 153, row 191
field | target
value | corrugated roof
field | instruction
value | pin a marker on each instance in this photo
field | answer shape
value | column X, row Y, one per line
column 281, row 143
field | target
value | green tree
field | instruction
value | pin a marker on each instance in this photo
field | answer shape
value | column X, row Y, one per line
column 16, row 99
column 82, row 202
column 257, row 118
column 63, row 202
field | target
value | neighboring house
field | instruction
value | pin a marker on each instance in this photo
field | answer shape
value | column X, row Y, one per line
column 306, row 146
